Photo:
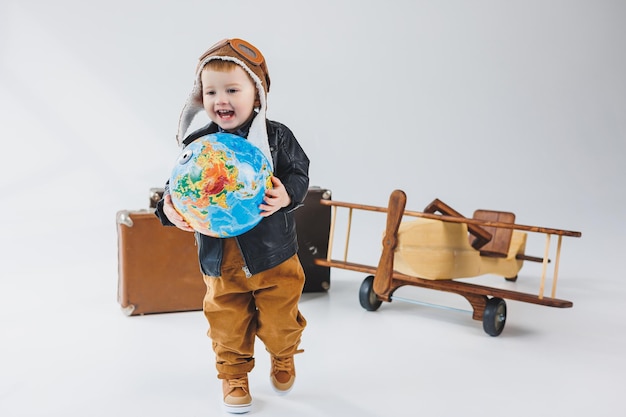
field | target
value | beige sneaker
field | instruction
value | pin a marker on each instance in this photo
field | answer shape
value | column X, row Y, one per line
column 237, row 399
column 283, row 374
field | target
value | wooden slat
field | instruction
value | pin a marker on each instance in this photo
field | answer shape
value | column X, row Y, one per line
column 452, row 219
column 457, row 287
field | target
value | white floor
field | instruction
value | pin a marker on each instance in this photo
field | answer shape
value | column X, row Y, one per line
column 73, row 353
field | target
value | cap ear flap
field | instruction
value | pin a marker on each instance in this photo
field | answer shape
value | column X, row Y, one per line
column 267, row 75
column 198, row 98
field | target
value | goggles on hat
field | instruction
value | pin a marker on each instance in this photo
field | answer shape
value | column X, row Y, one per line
column 244, row 50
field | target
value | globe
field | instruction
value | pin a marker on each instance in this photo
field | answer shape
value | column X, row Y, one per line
column 218, row 183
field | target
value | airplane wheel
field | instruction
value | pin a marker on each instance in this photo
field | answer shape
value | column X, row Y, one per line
column 494, row 316
column 367, row 296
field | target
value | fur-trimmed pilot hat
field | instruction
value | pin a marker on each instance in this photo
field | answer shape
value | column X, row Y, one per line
column 252, row 61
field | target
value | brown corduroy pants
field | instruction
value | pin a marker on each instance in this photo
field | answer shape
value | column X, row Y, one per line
column 239, row 308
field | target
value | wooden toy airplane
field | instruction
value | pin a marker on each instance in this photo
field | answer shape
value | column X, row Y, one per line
column 433, row 250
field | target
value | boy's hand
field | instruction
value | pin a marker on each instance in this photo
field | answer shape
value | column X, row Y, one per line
column 173, row 215
column 275, row 198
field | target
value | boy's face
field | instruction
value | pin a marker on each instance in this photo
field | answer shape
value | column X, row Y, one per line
column 228, row 97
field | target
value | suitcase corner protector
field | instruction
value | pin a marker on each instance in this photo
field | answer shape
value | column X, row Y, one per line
column 128, row 310
column 123, row 218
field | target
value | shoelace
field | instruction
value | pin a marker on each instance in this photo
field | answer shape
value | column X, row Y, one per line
column 284, row 364
column 238, row 383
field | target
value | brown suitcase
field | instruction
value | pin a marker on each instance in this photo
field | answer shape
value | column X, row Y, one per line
column 313, row 228
column 158, row 266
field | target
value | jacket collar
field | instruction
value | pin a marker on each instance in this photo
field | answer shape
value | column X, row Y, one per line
column 243, row 130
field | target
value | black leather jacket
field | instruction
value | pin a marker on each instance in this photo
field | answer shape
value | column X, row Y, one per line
column 273, row 240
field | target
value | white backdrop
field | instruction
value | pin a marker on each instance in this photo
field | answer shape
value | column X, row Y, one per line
column 504, row 105
column 517, row 105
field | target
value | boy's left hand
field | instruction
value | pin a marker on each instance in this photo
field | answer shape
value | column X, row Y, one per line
column 275, row 198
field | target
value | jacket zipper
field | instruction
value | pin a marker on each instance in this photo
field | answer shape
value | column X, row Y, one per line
column 246, row 271
column 244, row 268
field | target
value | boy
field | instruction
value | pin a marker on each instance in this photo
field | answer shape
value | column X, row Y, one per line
column 254, row 281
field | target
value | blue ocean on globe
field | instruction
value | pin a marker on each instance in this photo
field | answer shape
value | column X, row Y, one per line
column 218, row 183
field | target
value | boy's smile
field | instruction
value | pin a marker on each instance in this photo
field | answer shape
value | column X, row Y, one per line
column 228, row 97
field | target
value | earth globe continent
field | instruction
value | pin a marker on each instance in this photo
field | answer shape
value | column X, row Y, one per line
column 218, row 183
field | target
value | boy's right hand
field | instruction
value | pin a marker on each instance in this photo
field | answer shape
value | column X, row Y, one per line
column 173, row 215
